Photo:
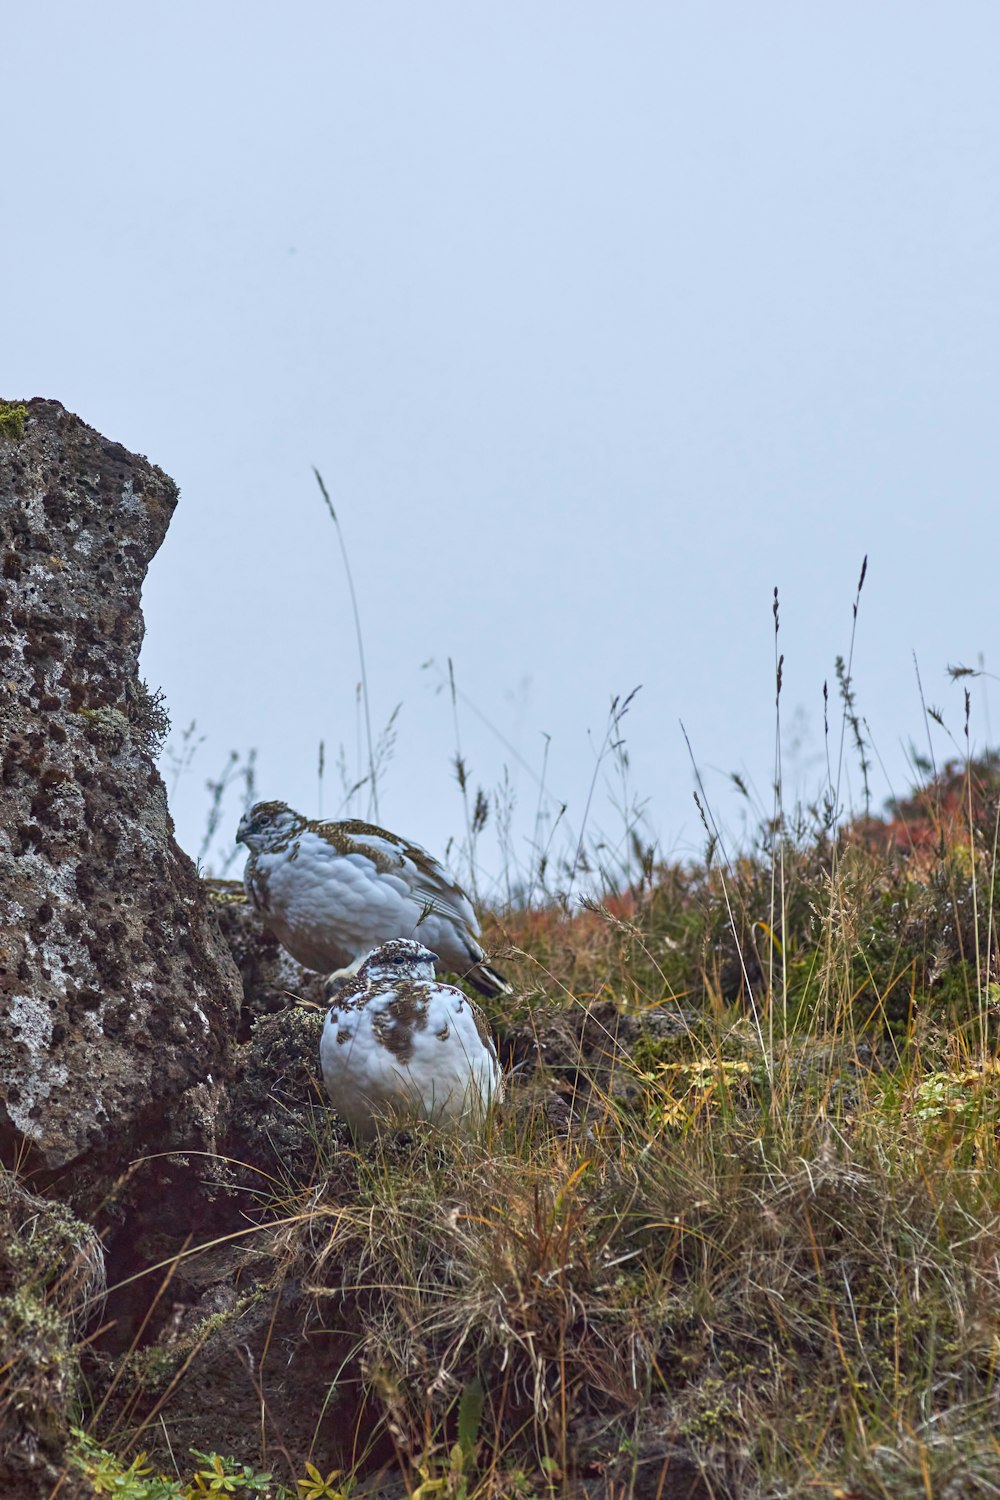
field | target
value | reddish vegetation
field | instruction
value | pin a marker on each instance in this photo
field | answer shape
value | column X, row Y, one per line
column 936, row 816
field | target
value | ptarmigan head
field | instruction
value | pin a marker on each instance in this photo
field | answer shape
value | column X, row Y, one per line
column 267, row 825
column 402, row 958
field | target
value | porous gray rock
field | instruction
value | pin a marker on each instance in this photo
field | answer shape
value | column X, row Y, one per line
column 272, row 980
column 118, row 996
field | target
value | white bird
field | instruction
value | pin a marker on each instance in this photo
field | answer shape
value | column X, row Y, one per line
column 397, row 1044
column 331, row 892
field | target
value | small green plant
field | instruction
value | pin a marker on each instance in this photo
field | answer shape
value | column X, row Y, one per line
column 453, row 1477
column 12, row 419
column 316, row 1487
column 224, row 1476
column 214, row 1475
column 107, row 1476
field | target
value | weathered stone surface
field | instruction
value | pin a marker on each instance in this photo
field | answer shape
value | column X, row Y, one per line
column 117, row 993
column 277, row 1105
column 279, row 1110
column 272, row 980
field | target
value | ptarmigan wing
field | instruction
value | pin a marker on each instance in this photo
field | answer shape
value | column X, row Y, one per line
column 424, row 876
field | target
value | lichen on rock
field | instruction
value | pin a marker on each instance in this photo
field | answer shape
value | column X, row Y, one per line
column 279, row 1109
column 119, row 993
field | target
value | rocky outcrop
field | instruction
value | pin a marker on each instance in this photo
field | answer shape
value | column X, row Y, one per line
column 122, row 1005
column 253, row 1330
column 118, row 997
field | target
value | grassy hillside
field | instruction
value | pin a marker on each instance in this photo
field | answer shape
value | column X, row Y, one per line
column 736, row 1231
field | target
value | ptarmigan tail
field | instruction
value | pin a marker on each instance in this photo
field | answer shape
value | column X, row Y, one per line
column 487, row 981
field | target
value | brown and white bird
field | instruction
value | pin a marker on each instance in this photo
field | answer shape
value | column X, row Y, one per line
column 399, row 1045
column 331, row 892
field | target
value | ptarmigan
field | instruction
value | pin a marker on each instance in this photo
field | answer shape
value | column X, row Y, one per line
column 397, row 1044
column 331, row 892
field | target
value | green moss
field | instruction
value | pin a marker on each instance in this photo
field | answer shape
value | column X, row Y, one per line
column 224, row 892
column 153, row 1368
column 54, row 1236
column 12, row 419
column 106, row 727
column 42, row 1367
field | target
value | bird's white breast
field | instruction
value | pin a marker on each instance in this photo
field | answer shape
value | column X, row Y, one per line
column 383, row 1056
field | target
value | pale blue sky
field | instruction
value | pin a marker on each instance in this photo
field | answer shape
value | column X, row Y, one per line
column 600, row 321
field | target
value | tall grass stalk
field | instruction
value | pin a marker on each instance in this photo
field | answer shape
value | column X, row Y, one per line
column 359, row 637
column 548, row 805
column 609, row 744
column 712, row 829
column 461, row 776
column 982, row 967
column 778, row 838
column 846, row 682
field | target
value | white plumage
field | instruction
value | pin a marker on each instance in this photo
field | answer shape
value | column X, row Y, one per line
column 397, row 1044
column 331, row 892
